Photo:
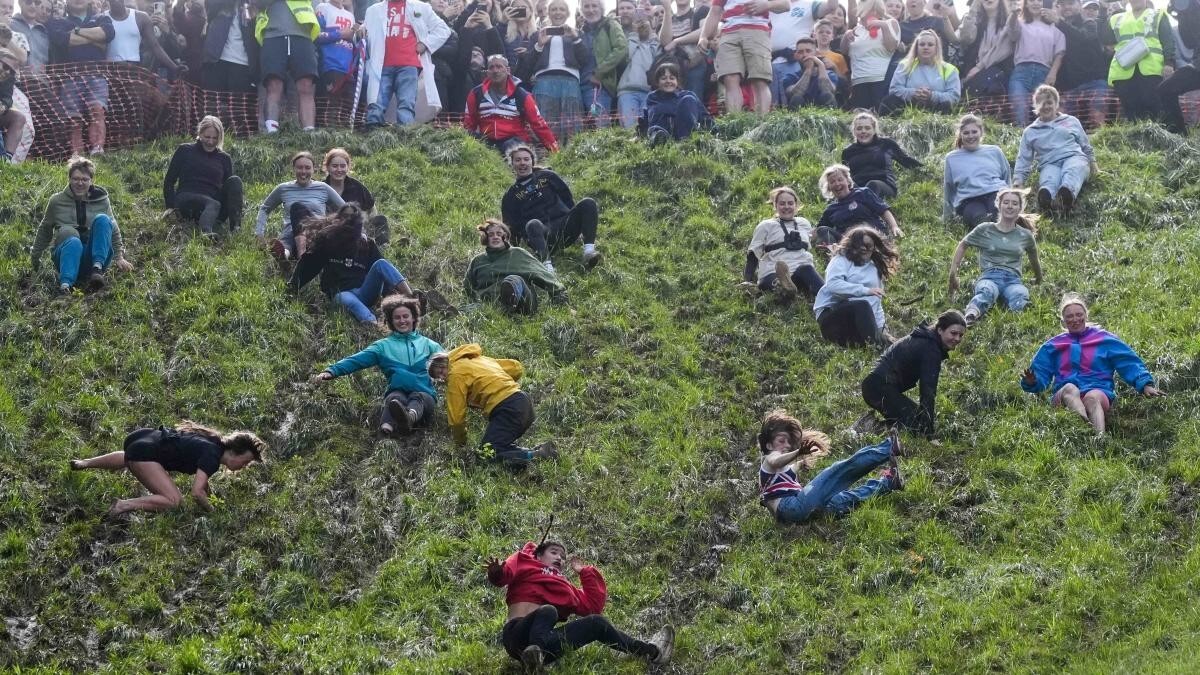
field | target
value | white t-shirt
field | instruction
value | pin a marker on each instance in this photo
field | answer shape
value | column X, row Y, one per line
column 770, row 232
column 869, row 59
column 789, row 26
column 235, row 50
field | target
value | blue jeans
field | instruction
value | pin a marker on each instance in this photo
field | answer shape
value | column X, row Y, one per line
column 69, row 258
column 383, row 276
column 697, row 80
column 999, row 283
column 400, row 81
column 1024, row 79
column 1069, row 173
column 630, row 105
column 597, row 102
column 830, row 490
column 779, row 71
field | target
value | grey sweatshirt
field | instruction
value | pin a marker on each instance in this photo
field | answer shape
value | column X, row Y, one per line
column 1052, row 142
column 970, row 173
column 317, row 196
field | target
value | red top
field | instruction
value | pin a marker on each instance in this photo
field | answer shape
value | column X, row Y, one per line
column 506, row 118
column 529, row 580
column 400, row 48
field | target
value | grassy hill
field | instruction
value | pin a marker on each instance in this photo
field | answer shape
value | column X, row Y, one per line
column 1022, row 543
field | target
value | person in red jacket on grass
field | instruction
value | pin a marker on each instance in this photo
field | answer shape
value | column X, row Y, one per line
column 540, row 595
column 499, row 110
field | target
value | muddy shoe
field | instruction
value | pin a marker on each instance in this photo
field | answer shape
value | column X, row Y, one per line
column 278, row 250
column 510, row 295
column 400, row 415
column 971, row 315
column 1045, row 200
column 532, row 660
column 892, row 475
column 547, row 450
column 783, row 281
column 96, row 282
column 894, row 437
column 664, row 639
column 1066, row 199
column 591, row 259
column 866, row 425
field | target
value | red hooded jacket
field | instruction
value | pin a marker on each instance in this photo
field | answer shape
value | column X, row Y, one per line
column 506, row 118
column 529, row 580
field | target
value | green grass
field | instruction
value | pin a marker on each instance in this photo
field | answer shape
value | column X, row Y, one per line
column 1021, row 544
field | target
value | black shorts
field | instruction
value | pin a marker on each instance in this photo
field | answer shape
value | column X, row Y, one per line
column 289, row 54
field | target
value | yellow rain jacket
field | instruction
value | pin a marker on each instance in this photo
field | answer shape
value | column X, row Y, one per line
column 477, row 381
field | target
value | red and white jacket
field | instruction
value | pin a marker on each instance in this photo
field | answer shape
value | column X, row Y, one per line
column 508, row 117
column 529, row 580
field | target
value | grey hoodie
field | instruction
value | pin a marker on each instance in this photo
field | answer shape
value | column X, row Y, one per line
column 1051, row 142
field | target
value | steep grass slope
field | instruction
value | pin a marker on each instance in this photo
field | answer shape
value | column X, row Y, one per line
column 1022, row 542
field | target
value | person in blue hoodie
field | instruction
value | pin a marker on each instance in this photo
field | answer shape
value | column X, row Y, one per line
column 403, row 357
column 1060, row 147
column 923, row 79
column 671, row 112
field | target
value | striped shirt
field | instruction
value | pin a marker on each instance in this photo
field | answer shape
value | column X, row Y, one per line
column 735, row 16
column 776, row 485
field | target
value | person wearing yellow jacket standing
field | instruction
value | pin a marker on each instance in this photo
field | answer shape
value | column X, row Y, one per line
column 286, row 30
column 490, row 385
column 1144, row 53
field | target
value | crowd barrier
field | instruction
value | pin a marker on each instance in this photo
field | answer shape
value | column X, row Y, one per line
column 142, row 106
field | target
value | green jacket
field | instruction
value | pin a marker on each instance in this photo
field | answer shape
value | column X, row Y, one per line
column 489, row 268
column 611, row 50
column 61, row 221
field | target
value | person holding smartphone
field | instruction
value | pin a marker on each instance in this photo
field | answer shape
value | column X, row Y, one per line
column 1038, row 48
column 556, row 61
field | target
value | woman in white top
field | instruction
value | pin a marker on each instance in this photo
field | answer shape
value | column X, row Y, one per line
column 780, row 256
column 869, row 48
column 849, row 307
column 555, row 62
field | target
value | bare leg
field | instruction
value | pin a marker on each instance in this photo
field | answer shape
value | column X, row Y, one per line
column 113, row 461
column 1069, row 399
column 274, row 96
column 305, row 93
column 13, row 123
column 76, row 136
column 156, row 479
column 97, row 130
column 762, row 97
column 1094, row 402
column 733, row 93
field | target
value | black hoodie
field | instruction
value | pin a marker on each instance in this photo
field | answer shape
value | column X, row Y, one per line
column 915, row 358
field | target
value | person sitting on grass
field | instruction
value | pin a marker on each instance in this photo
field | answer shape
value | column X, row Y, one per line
column 539, row 207
column 539, row 596
column 1001, row 245
column 403, row 357
column 490, row 385
column 79, row 220
column 354, row 273
column 509, row 273
column 151, row 455
column 671, row 112
column 1080, row 365
column 780, row 257
column 923, row 79
column 786, row 445
column 913, row 360
column 500, row 111
column 1060, row 147
column 200, row 183
column 301, row 198
column 973, row 175
column 849, row 307
column 815, row 84
column 870, row 157
column 337, row 165
column 850, row 206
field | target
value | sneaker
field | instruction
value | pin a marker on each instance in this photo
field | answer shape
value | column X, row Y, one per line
column 510, row 295
column 549, row 266
column 96, row 282
column 892, row 475
column 664, row 639
column 96, row 150
column 546, row 450
column 403, row 419
column 591, row 259
column 657, row 136
column 971, row 315
column 278, row 249
column 64, row 289
column 1066, row 199
column 386, row 429
column 1045, row 200
column 532, row 659
column 894, row 437
column 783, row 281
column 866, row 425
column 235, row 221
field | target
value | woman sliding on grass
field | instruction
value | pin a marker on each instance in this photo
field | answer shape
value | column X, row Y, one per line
column 849, row 307
column 403, row 357
column 785, row 444
column 150, row 454
column 1001, row 245
column 1080, row 364
column 780, row 253
column 540, row 595
column 301, row 199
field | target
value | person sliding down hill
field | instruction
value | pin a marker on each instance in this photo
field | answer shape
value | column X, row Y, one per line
column 540, row 207
column 490, row 385
column 785, row 444
column 150, row 454
column 540, row 595
column 403, row 357
column 780, row 257
column 509, row 273
column 200, row 183
column 301, row 199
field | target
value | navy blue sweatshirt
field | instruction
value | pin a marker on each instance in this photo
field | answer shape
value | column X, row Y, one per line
column 873, row 161
column 195, row 170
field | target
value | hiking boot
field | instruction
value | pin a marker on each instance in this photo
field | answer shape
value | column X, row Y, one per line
column 532, row 659
column 96, row 282
column 1045, row 200
column 783, row 281
column 892, row 475
column 591, row 259
column 1066, row 199
column 866, row 425
column 664, row 639
column 971, row 315
column 510, row 295
column 404, row 421
column 546, row 450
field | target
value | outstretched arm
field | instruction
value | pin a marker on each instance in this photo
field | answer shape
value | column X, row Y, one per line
column 200, row 490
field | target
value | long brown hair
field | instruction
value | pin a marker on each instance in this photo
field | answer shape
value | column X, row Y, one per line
column 811, row 443
column 340, row 232
column 237, row 442
column 885, row 257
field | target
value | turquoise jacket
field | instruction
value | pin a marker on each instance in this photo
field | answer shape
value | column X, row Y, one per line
column 403, row 358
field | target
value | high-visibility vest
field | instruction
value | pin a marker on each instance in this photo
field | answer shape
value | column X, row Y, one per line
column 305, row 16
column 1127, row 27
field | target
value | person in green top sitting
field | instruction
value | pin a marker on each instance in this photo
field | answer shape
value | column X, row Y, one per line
column 509, row 273
column 1001, row 245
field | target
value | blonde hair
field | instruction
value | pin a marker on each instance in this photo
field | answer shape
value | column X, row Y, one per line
column 875, row 6
column 965, row 120
column 211, row 122
column 514, row 31
column 910, row 62
column 83, row 164
column 823, row 183
column 1071, row 298
column 1025, row 220
column 781, row 190
column 1046, row 91
column 864, row 115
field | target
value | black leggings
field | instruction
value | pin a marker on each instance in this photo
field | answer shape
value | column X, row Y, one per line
column 805, row 277
column 507, row 422
column 895, row 407
column 1183, row 80
column 849, row 323
column 582, row 220
column 978, row 209
column 1139, row 97
column 537, row 628
column 418, row 400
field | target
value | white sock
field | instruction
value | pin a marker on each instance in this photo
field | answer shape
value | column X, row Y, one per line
column 549, row 266
column 589, row 248
column 271, row 126
column 310, row 128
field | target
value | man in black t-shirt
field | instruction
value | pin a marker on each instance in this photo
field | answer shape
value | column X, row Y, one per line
column 1187, row 77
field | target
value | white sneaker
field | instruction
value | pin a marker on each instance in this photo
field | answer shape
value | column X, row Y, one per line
column 549, row 266
column 96, row 150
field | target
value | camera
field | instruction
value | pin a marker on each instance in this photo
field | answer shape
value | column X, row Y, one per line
column 555, row 30
column 792, row 241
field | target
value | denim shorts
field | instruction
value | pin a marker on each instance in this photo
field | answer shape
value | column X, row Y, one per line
column 80, row 93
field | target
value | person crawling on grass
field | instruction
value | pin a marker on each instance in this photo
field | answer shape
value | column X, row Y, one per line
column 539, row 596
column 780, row 256
column 354, row 273
column 80, row 222
column 1001, row 245
column 540, row 208
column 200, row 184
column 509, row 273
column 785, row 445
column 301, row 198
column 915, row 359
column 1080, row 364
column 151, row 455
column 403, row 357
column 475, row 380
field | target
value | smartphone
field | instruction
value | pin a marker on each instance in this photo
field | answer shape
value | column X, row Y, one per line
column 555, row 30
column 159, row 9
column 1047, row 4
column 520, row 13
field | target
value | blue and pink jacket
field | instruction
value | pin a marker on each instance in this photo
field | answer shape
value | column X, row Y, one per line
column 1088, row 361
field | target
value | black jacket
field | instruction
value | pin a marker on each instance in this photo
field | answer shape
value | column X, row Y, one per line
column 192, row 169
column 339, row 271
column 542, row 196
column 221, row 15
column 915, row 359
column 1085, row 59
column 873, row 161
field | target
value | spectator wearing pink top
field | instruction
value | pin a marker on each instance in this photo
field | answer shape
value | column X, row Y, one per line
column 1038, row 48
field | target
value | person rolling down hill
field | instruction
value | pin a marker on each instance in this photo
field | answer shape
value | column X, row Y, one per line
column 151, row 454
column 490, row 385
column 785, row 444
column 509, row 273
column 540, row 595
column 403, row 357
column 1081, row 363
